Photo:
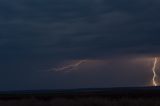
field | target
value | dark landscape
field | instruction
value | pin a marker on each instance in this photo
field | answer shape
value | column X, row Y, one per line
column 131, row 96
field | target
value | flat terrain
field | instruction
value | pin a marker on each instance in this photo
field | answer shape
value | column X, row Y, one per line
column 137, row 96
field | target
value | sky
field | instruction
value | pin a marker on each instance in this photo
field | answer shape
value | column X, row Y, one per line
column 67, row 44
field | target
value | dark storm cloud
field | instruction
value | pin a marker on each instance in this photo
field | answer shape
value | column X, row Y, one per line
column 35, row 35
column 78, row 29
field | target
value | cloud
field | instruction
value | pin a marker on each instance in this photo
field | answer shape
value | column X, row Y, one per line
column 79, row 29
column 36, row 35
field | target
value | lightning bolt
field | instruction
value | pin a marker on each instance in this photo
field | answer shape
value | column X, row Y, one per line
column 70, row 67
column 154, row 72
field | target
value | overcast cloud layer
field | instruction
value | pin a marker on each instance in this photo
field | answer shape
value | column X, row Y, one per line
column 78, row 28
column 34, row 33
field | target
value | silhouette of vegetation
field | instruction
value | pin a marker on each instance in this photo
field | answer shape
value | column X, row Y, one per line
column 82, row 102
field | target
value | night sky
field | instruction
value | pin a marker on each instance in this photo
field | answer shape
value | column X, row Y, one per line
column 116, row 40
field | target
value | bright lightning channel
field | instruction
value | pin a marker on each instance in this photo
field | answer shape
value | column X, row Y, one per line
column 154, row 72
